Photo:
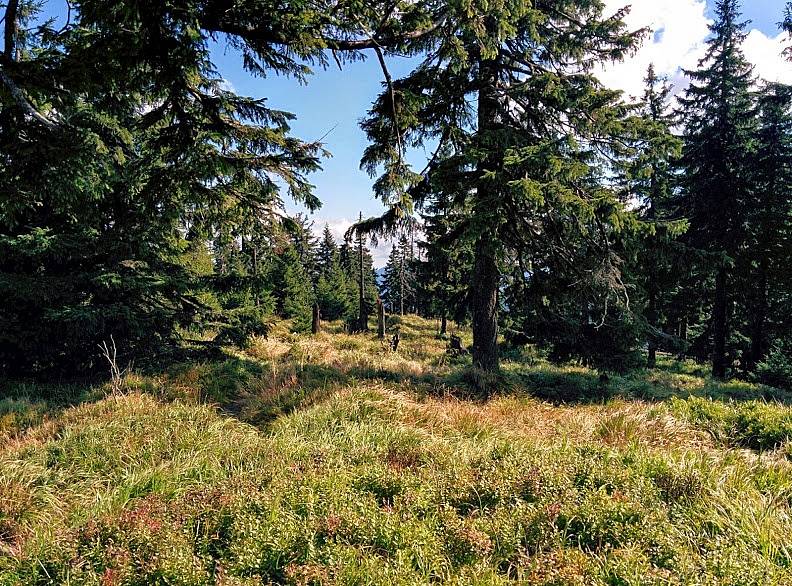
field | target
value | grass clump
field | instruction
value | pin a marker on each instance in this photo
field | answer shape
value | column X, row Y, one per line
column 754, row 424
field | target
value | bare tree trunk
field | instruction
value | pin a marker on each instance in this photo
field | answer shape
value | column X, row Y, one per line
column 362, row 316
column 316, row 321
column 380, row 319
column 443, row 324
column 401, row 285
column 719, row 325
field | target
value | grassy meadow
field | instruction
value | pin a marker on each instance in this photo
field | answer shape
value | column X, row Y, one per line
column 332, row 460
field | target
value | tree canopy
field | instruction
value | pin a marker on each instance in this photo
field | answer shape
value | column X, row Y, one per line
column 143, row 199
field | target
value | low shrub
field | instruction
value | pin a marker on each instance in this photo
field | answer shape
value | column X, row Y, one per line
column 776, row 369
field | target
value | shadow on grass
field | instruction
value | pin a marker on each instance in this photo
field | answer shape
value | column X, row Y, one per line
column 258, row 391
column 25, row 404
column 569, row 384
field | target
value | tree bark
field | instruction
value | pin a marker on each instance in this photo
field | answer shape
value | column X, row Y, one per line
column 380, row 319
column 443, row 324
column 362, row 316
column 719, row 325
column 485, row 306
column 758, row 317
column 651, row 359
column 316, row 322
column 11, row 30
column 401, row 285
column 256, row 295
column 682, row 335
column 651, row 313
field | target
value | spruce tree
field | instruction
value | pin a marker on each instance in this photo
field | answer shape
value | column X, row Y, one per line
column 770, row 224
column 349, row 259
column 298, row 296
column 407, row 278
column 650, row 177
column 327, row 252
column 304, row 241
column 443, row 273
column 518, row 131
column 391, row 290
column 718, row 113
column 333, row 291
column 399, row 283
column 100, row 174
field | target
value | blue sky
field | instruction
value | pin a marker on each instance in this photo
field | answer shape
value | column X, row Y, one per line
column 333, row 102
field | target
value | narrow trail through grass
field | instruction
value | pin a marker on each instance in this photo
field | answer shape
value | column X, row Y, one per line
column 332, row 460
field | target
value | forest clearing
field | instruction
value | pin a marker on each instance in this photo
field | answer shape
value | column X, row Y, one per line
column 333, row 460
column 372, row 292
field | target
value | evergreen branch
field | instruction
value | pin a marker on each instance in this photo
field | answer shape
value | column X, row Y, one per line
column 22, row 101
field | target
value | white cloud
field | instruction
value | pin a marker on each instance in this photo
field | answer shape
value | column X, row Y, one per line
column 766, row 55
column 338, row 228
column 227, row 86
column 678, row 41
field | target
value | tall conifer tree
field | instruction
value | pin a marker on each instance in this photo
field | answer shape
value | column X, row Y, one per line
column 718, row 113
column 100, row 174
column 770, row 225
column 650, row 177
column 506, row 92
column 298, row 295
column 391, row 291
column 327, row 252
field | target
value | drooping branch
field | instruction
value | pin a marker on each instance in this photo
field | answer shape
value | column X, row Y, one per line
column 22, row 101
column 213, row 22
column 392, row 92
column 10, row 55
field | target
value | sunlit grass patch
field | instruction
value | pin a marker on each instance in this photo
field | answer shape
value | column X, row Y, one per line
column 331, row 459
column 754, row 424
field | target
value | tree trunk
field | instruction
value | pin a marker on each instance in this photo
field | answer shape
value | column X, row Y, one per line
column 719, row 326
column 651, row 358
column 443, row 324
column 682, row 335
column 758, row 317
column 401, row 286
column 484, row 290
column 362, row 316
column 316, row 323
column 256, row 295
column 486, row 276
column 380, row 319
column 651, row 313
column 11, row 30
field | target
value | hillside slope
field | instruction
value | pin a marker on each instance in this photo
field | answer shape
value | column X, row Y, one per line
column 332, row 460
